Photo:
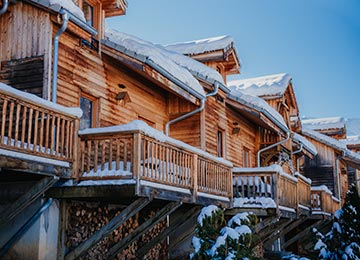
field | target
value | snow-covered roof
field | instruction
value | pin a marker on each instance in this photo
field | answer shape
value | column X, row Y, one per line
column 271, row 85
column 202, row 46
column 138, row 125
column 353, row 126
column 31, row 98
column 196, row 68
column 306, row 143
column 351, row 140
column 76, row 15
column 324, row 123
column 260, row 105
column 324, row 139
column 156, row 57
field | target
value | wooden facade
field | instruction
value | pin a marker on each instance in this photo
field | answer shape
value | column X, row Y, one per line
column 128, row 172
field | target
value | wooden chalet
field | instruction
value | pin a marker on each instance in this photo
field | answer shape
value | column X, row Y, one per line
column 110, row 145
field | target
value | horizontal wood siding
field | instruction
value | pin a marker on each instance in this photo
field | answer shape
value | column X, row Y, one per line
column 25, row 31
column 246, row 138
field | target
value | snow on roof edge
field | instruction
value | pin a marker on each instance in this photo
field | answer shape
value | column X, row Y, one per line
column 155, row 57
column 307, row 144
column 31, row 98
column 324, row 139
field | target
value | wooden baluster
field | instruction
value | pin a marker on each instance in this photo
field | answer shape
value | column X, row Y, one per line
column 36, row 128
column 74, row 129
column 11, row 117
column 23, row 128
column 52, row 134
column 41, row 138
column 194, row 176
column 57, row 136
column 76, row 147
column 67, row 140
column 136, row 156
column 111, row 153
column 96, row 154
column 88, row 164
column 3, row 121
column 117, row 167
column 17, row 121
column 62, row 138
column 103, row 147
column 82, row 152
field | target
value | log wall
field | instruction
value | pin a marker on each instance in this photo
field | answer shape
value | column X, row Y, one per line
column 25, row 31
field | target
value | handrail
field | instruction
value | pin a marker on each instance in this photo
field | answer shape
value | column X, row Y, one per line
column 33, row 126
column 136, row 155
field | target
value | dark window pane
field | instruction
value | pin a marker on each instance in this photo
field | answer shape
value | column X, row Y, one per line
column 87, row 107
column 88, row 13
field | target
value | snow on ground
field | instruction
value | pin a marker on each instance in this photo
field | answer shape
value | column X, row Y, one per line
column 72, row 111
column 144, row 50
column 258, row 104
column 270, row 85
column 202, row 46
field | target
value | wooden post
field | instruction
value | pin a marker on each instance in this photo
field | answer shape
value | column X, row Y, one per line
column 136, row 159
column 195, row 177
column 274, row 188
column 76, row 149
column 230, row 183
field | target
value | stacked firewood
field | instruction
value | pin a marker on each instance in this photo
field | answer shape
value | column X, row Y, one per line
column 159, row 250
column 85, row 220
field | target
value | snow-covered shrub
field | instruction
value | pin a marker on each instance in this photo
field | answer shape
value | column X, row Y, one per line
column 343, row 240
column 216, row 239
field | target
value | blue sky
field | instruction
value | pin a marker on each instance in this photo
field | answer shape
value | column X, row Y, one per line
column 316, row 41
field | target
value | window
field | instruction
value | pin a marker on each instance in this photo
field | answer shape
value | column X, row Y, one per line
column 246, row 157
column 88, row 106
column 88, row 10
column 220, row 143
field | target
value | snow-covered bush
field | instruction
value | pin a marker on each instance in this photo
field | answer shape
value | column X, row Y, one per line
column 216, row 239
column 343, row 240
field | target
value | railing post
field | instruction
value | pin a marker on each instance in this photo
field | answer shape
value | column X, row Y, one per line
column 76, row 149
column 136, row 159
column 230, row 183
column 275, row 178
column 195, row 177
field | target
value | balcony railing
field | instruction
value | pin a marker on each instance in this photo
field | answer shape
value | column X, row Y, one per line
column 322, row 200
column 270, row 182
column 133, row 154
column 33, row 126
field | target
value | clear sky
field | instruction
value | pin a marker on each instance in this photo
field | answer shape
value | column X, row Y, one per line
column 316, row 41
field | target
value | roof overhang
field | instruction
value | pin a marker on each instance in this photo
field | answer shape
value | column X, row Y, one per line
column 149, row 73
column 254, row 115
column 114, row 7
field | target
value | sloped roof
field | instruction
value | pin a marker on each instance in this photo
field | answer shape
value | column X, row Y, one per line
column 270, row 85
column 351, row 140
column 202, row 46
column 306, row 143
column 260, row 105
column 196, row 68
column 324, row 123
column 324, row 139
column 156, row 57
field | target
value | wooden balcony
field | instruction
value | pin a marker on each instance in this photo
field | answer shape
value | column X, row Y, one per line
column 268, row 190
column 323, row 203
column 35, row 134
column 158, row 167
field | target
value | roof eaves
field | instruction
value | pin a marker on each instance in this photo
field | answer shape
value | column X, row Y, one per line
column 261, row 110
column 153, row 65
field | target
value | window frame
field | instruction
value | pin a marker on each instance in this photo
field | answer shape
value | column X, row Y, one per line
column 94, row 112
column 220, row 143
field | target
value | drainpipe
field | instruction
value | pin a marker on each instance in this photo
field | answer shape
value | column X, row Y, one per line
column 271, row 146
column 297, row 159
column 338, row 174
column 216, row 89
column 4, row 7
column 65, row 18
column 25, row 227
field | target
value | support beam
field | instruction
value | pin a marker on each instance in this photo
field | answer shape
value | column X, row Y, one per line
column 178, row 223
column 184, row 236
column 274, row 235
column 143, row 228
column 106, row 230
column 265, row 224
column 26, row 199
column 300, row 234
